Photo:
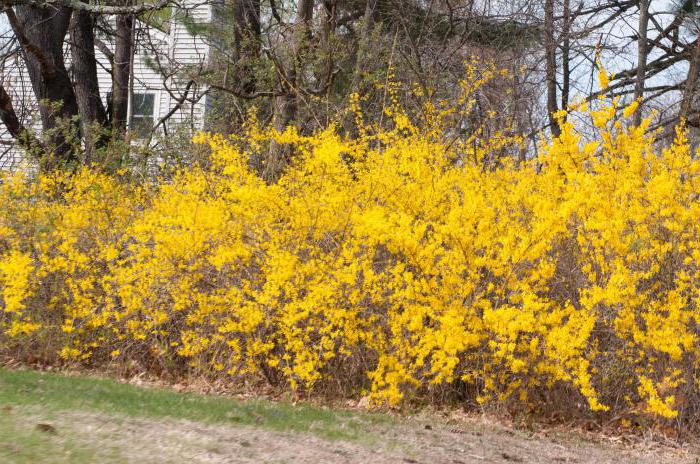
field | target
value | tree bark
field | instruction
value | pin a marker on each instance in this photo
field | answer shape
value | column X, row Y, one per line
column 641, row 59
column 363, row 44
column 247, row 29
column 121, row 73
column 691, row 82
column 41, row 32
column 566, row 54
column 329, row 27
column 287, row 104
column 361, row 51
column 93, row 118
column 550, row 50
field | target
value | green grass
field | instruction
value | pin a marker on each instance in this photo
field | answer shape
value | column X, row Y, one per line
column 21, row 442
column 97, row 420
column 55, row 393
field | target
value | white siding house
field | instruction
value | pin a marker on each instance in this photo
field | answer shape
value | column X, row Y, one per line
column 158, row 56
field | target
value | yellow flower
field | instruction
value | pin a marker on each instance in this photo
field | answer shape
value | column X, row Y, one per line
column 404, row 262
column 630, row 110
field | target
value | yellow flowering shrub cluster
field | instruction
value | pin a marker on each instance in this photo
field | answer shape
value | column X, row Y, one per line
column 396, row 263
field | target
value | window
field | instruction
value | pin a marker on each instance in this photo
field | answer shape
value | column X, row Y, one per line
column 142, row 106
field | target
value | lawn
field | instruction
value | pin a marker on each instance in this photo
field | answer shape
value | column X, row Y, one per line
column 30, row 400
column 49, row 418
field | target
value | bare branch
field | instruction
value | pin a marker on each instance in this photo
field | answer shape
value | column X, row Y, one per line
column 91, row 8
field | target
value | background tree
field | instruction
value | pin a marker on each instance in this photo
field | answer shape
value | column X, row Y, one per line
column 297, row 62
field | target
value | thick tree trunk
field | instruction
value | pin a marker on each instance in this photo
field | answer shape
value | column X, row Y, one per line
column 93, row 118
column 41, row 32
column 121, row 72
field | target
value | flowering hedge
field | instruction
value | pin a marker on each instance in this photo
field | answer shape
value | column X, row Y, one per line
column 397, row 263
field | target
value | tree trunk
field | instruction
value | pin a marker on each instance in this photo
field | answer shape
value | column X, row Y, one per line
column 329, row 27
column 363, row 44
column 246, row 23
column 361, row 51
column 641, row 59
column 41, row 32
column 566, row 55
column 235, row 61
column 93, row 118
column 121, row 72
column 691, row 82
column 287, row 104
column 550, row 50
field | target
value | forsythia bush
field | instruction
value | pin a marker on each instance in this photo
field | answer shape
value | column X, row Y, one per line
column 400, row 262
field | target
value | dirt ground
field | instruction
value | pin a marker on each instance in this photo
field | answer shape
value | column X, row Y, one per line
column 129, row 440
